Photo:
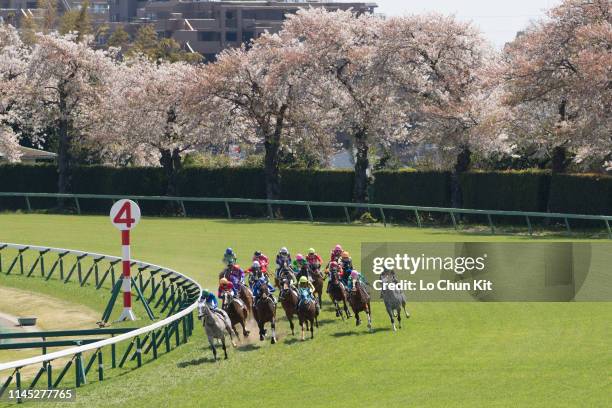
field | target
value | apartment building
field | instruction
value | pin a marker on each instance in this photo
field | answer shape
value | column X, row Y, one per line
column 207, row 27
column 12, row 11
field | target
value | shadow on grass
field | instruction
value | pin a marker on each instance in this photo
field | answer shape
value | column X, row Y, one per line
column 327, row 321
column 361, row 332
column 195, row 362
column 247, row 348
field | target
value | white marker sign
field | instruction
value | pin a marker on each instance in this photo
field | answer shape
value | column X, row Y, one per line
column 125, row 214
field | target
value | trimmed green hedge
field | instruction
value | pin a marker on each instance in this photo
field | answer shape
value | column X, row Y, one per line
column 506, row 191
column 427, row 188
column 511, row 190
column 581, row 194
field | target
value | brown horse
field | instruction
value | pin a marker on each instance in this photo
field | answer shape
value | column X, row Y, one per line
column 237, row 312
column 317, row 281
column 245, row 294
column 337, row 293
column 360, row 302
column 289, row 300
column 264, row 312
column 285, row 271
column 307, row 314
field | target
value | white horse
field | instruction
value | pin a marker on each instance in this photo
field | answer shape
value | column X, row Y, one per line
column 394, row 300
column 216, row 324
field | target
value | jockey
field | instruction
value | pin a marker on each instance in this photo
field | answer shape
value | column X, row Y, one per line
column 229, row 258
column 333, row 268
column 300, row 266
column 283, row 258
column 236, row 275
column 354, row 277
column 262, row 259
column 336, row 253
column 255, row 272
column 208, row 298
column 306, row 291
column 346, row 262
column 225, row 285
column 313, row 258
column 257, row 286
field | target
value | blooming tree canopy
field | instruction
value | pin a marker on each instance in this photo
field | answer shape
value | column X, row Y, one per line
column 62, row 91
column 265, row 89
column 557, row 81
column 14, row 57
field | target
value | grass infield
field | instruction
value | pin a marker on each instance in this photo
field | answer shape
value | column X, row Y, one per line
column 447, row 354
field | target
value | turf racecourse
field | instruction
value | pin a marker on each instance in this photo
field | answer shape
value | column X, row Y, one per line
column 447, row 354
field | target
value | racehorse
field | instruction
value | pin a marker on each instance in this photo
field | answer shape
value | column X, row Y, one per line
column 245, row 294
column 337, row 293
column 307, row 314
column 215, row 325
column 289, row 300
column 285, row 271
column 394, row 300
column 264, row 312
column 317, row 281
column 360, row 302
column 236, row 310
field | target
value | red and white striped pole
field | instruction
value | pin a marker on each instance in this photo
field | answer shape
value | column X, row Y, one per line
column 125, row 214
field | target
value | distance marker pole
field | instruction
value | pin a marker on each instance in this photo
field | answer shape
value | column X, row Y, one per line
column 124, row 215
column 126, row 284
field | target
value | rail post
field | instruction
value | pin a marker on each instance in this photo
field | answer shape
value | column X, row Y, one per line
column 309, row 212
column 78, row 206
column 529, row 225
column 346, row 213
column 227, row 208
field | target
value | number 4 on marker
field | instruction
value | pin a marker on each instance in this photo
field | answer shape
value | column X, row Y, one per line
column 124, row 216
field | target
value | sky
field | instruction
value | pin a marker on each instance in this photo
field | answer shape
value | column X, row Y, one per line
column 498, row 20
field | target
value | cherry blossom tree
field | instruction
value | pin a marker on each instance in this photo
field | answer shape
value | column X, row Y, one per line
column 154, row 115
column 388, row 80
column 556, row 77
column 265, row 89
column 62, row 90
column 14, row 57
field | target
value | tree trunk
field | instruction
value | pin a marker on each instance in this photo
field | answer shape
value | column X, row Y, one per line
column 559, row 160
column 360, row 187
column 64, row 151
column 271, row 170
column 170, row 161
column 462, row 165
column 271, row 161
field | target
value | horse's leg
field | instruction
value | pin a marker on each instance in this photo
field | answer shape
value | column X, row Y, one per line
column 312, row 329
column 302, row 328
column 390, row 313
column 346, row 310
column 236, row 332
column 261, row 331
column 290, row 318
column 211, row 341
column 229, row 328
column 245, row 332
column 273, row 324
column 405, row 311
column 338, row 310
column 399, row 317
column 224, row 348
column 369, row 313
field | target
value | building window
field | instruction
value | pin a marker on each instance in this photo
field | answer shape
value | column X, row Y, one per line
column 247, row 36
column 210, row 57
column 231, row 36
column 209, row 36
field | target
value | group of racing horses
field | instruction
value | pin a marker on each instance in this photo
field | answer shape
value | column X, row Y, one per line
column 238, row 307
